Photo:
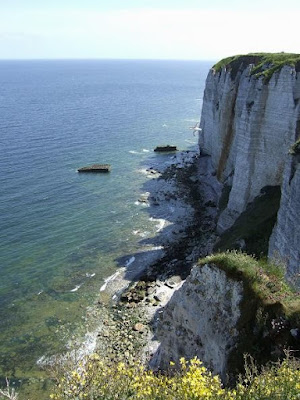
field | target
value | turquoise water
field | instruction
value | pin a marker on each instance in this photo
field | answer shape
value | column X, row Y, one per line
column 61, row 232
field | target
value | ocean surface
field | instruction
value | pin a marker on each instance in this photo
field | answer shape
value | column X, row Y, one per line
column 61, row 233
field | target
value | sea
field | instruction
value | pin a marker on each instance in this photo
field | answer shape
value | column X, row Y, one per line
column 62, row 233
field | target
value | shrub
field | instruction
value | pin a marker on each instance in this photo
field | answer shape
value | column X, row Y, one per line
column 98, row 381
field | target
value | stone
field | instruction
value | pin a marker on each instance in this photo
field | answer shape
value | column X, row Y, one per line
column 139, row 327
column 166, row 148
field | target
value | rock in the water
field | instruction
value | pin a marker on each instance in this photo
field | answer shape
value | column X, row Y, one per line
column 96, row 168
column 166, row 148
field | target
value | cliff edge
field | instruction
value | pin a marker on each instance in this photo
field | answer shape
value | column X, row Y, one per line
column 250, row 119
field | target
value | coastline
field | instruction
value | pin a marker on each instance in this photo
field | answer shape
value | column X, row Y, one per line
column 181, row 197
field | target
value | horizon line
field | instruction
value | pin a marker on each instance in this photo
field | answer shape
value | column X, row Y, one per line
column 107, row 59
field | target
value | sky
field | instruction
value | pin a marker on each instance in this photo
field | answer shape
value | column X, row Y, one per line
column 146, row 29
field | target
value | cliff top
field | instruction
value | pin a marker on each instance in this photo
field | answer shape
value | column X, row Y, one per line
column 266, row 281
column 265, row 64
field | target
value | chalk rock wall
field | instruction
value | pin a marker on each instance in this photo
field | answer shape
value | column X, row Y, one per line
column 200, row 320
column 284, row 243
column 247, row 128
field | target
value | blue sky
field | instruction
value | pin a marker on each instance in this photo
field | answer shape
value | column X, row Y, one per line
column 153, row 29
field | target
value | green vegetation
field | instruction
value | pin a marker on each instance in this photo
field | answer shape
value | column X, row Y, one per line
column 295, row 149
column 268, row 301
column 266, row 280
column 265, row 64
column 95, row 380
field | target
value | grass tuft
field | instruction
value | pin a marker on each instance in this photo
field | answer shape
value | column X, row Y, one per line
column 266, row 280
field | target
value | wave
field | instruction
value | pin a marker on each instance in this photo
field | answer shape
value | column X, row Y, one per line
column 157, row 248
column 160, row 225
column 134, row 152
column 142, row 234
column 109, row 279
column 76, row 288
column 190, row 141
column 140, row 203
column 130, row 261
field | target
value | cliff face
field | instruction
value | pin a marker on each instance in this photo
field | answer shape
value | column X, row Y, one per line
column 201, row 320
column 285, row 239
column 248, row 126
column 247, row 129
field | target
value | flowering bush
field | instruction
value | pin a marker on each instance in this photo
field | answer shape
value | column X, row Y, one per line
column 95, row 380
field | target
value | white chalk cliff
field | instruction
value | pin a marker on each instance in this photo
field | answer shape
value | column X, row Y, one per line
column 248, row 126
column 285, row 239
column 201, row 320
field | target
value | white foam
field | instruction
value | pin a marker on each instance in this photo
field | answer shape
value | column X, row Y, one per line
column 157, row 248
column 160, row 225
column 76, row 288
column 133, row 152
column 164, row 125
column 109, row 279
column 146, row 151
column 143, row 171
column 190, row 141
column 90, row 275
column 142, row 204
column 130, row 261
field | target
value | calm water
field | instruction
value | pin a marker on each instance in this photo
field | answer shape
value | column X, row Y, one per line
column 60, row 230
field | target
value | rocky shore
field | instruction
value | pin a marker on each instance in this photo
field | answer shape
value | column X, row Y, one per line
column 182, row 194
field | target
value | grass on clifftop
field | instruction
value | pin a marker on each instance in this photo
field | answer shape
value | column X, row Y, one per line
column 265, row 64
column 265, row 280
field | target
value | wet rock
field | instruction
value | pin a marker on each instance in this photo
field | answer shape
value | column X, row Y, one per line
column 210, row 204
column 173, row 281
